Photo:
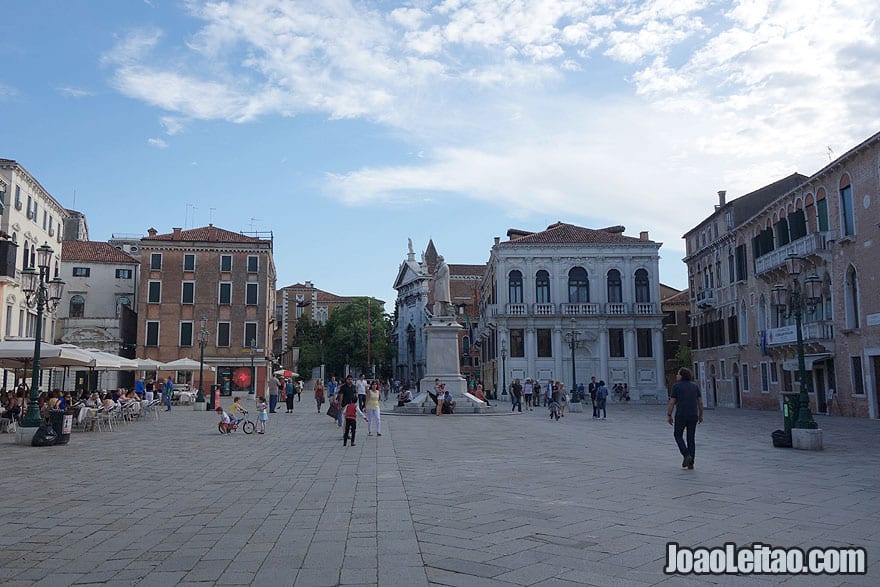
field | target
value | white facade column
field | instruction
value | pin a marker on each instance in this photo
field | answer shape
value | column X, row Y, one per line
column 603, row 354
column 558, row 351
column 629, row 344
column 659, row 363
column 531, row 350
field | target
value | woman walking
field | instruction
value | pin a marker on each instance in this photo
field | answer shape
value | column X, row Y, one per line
column 319, row 394
column 288, row 395
column 373, row 397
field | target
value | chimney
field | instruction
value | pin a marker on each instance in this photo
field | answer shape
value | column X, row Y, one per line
column 309, row 284
column 176, row 232
column 152, row 231
column 722, row 197
column 497, row 239
column 643, row 236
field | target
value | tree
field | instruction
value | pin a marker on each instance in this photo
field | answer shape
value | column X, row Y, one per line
column 345, row 340
column 684, row 357
column 310, row 340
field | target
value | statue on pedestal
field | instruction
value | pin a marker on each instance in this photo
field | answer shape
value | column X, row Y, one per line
column 442, row 297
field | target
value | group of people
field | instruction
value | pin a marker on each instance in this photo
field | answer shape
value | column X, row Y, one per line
column 352, row 400
column 551, row 395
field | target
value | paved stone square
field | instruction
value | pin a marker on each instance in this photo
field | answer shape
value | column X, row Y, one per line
column 500, row 500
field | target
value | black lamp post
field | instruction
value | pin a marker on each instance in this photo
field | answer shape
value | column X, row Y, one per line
column 203, row 342
column 252, row 349
column 573, row 340
column 43, row 294
column 795, row 300
column 504, row 367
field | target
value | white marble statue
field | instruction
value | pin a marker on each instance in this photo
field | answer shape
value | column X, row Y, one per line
column 442, row 297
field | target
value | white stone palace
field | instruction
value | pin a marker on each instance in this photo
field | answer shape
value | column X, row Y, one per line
column 541, row 286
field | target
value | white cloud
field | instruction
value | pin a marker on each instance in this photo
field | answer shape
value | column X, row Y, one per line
column 7, row 92
column 545, row 105
column 158, row 143
column 72, row 92
column 173, row 125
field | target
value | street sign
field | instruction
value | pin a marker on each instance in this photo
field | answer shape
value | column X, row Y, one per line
column 247, row 351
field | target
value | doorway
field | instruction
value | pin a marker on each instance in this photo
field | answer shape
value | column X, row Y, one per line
column 821, row 404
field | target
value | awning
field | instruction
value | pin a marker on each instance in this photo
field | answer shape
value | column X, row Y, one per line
column 792, row 364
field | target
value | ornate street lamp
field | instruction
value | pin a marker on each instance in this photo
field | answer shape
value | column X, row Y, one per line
column 573, row 340
column 203, row 342
column 43, row 294
column 504, row 368
column 795, row 300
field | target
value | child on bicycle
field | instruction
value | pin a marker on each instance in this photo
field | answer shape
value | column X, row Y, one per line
column 263, row 409
column 236, row 412
column 225, row 420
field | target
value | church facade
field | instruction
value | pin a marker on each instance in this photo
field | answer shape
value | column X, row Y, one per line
column 414, row 309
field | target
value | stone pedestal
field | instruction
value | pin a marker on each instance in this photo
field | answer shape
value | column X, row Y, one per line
column 575, row 407
column 200, row 406
column 442, row 357
column 806, row 438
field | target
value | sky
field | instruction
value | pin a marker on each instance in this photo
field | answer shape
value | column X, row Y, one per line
column 346, row 127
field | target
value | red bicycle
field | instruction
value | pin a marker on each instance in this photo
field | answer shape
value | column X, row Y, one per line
column 247, row 426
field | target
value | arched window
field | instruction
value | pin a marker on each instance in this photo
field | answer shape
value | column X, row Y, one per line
column 851, row 295
column 578, row 286
column 515, row 287
column 643, row 290
column 25, row 256
column 77, row 306
column 33, row 256
column 848, row 219
column 762, row 314
column 465, row 345
column 743, row 324
column 615, row 289
column 542, row 287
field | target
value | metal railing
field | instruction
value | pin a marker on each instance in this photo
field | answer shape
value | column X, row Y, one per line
column 807, row 245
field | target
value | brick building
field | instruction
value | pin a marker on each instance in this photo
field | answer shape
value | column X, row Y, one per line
column 293, row 303
column 676, row 308
column 745, row 352
column 214, row 279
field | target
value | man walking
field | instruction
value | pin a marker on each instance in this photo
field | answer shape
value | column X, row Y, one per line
column 593, row 388
column 516, row 391
column 273, row 393
column 686, row 400
column 346, row 394
column 362, row 392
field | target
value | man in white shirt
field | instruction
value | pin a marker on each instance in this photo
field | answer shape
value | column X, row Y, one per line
column 361, row 386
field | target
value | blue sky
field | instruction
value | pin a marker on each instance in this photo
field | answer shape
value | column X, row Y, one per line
column 347, row 127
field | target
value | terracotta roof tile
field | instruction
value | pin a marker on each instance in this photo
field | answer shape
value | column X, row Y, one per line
column 562, row 233
column 95, row 252
column 457, row 269
column 208, row 233
column 682, row 297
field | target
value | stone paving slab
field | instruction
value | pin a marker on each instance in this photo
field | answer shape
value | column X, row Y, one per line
column 471, row 501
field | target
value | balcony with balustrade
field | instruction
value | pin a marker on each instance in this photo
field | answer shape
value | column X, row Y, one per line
column 543, row 309
column 581, row 309
column 706, row 298
column 822, row 331
column 817, row 244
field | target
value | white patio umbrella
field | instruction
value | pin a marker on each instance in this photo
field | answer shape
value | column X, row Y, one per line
column 184, row 364
column 19, row 353
column 148, row 364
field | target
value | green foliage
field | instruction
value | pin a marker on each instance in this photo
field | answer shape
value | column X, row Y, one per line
column 684, row 357
column 343, row 340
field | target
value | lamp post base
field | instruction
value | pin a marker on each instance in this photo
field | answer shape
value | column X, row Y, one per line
column 806, row 438
column 200, row 406
column 24, row 434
